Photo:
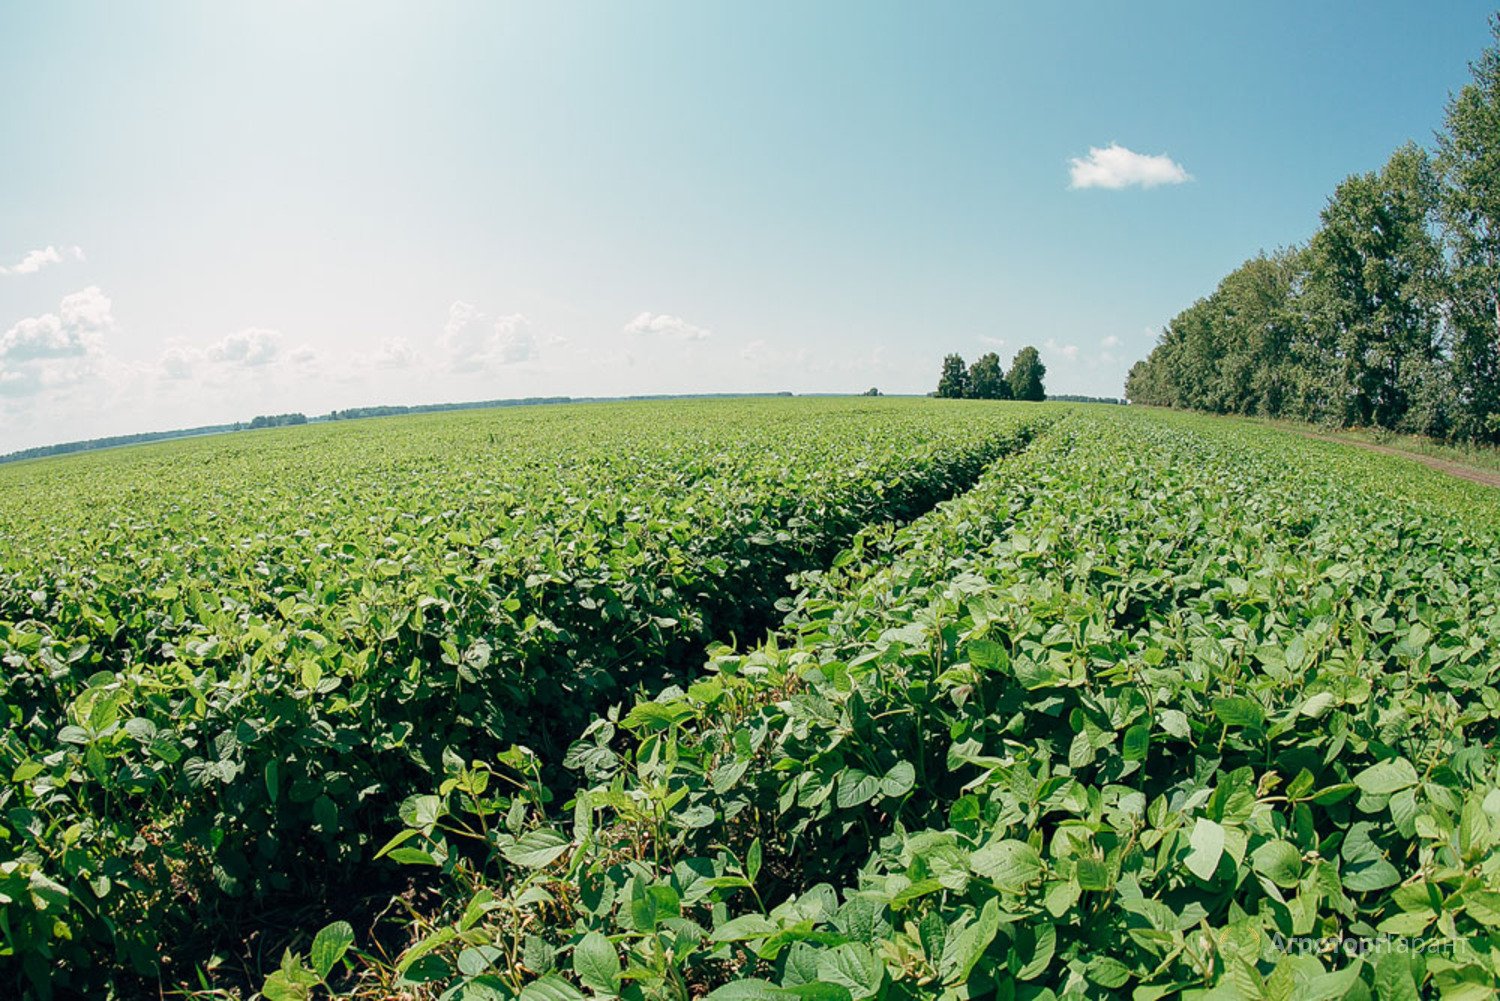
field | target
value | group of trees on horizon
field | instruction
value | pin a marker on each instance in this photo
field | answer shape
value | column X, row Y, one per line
column 985, row 380
column 1388, row 317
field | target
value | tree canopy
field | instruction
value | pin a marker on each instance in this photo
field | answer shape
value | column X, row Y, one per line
column 986, row 380
column 953, row 384
column 1026, row 375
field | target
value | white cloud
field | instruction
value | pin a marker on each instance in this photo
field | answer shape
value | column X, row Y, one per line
column 663, row 323
column 513, row 342
column 36, row 260
column 179, row 362
column 56, row 349
column 472, row 342
column 1068, row 351
column 395, row 352
column 249, row 348
column 1110, row 342
column 75, row 329
column 1115, row 167
column 992, row 342
column 254, row 349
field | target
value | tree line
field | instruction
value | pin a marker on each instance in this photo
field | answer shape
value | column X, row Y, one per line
column 1388, row 317
column 985, row 380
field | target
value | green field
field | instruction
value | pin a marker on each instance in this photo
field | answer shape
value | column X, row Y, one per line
column 1057, row 701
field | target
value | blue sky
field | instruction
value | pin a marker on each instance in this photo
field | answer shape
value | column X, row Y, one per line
column 210, row 211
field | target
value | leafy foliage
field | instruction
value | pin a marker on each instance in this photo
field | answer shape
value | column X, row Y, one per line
column 1156, row 701
column 228, row 661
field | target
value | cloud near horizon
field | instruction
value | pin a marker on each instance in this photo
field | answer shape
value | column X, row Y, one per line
column 664, row 323
column 1114, row 167
column 474, row 342
column 252, row 349
column 36, row 260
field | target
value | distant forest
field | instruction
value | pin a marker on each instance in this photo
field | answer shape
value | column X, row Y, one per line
column 1389, row 317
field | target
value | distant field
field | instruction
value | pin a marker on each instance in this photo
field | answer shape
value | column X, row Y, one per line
column 1060, row 698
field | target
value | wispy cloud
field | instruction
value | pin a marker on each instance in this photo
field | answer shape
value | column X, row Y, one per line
column 1115, row 167
column 36, row 260
column 1053, row 347
column 666, row 324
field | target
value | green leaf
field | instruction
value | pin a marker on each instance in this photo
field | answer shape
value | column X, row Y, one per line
column 597, row 964
column 965, row 948
column 744, row 928
column 1092, row 874
column 551, row 988
column 1011, row 864
column 987, row 655
column 1137, row 742
column 1240, row 711
column 817, row 992
column 899, row 780
column 329, row 947
column 748, row 990
column 855, row 788
column 1206, row 847
column 1368, row 876
column 1386, row 777
column 1279, row 861
column 1175, row 722
column 536, row 849
column 1393, row 977
column 855, row 966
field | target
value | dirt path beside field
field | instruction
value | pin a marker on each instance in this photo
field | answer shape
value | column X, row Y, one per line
column 1458, row 469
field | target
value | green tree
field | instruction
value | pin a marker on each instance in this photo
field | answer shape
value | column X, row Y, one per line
column 1469, row 162
column 953, row 384
column 1374, row 287
column 986, row 380
column 1026, row 375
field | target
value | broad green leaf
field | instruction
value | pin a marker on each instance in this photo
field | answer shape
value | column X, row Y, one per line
column 1013, row 865
column 329, row 947
column 536, row 849
column 1386, row 777
column 551, row 988
column 1206, row 847
column 854, row 966
column 1279, row 861
column 855, row 788
column 597, row 964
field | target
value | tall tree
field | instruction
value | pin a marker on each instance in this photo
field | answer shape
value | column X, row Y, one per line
column 954, row 381
column 1374, row 286
column 986, row 380
column 1026, row 375
column 1469, row 160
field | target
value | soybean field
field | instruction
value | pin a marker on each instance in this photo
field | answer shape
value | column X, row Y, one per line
column 824, row 699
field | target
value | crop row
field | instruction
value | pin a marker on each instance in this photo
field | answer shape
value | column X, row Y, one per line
column 1160, row 706
column 227, row 662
